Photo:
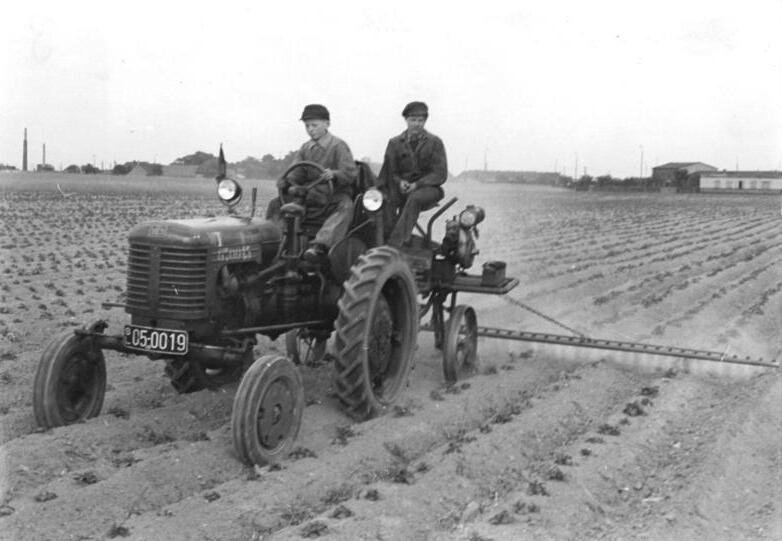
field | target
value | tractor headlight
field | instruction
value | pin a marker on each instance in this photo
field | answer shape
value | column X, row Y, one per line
column 229, row 191
column 372, row 199
column 471, row 216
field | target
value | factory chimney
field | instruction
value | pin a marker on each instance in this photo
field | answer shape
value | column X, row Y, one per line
column 24, row 152
column 43, row 159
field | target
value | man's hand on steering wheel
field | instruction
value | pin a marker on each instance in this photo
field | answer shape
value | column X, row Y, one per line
column 296, row 190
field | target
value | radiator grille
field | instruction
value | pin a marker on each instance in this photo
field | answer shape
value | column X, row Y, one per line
column 166, row 280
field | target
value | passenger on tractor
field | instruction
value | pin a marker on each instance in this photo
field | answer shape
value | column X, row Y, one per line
column 334, row 155
column 414, row 169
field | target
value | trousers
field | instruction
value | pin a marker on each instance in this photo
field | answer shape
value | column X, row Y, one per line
column 412, row 204
column 336, row 225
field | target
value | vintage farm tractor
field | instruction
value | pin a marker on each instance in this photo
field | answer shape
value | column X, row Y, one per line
column 200, row 291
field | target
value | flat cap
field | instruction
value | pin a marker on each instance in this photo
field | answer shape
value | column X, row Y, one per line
column 315, row 111
column 415, row 108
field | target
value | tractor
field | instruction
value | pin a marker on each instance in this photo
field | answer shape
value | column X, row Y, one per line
column 200, row 291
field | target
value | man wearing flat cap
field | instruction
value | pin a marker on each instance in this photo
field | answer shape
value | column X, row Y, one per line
column 333, row 154
column 414, row 169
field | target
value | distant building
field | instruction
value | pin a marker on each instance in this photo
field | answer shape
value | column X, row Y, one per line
column 670, row 173
column 738, row 181
column 138, row 171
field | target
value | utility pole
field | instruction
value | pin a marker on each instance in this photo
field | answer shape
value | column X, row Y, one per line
column 575, row 169
column 642, row 162
column 24, row 152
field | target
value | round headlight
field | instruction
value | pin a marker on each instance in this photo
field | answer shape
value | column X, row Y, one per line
column 372, row 199
column 229, row 191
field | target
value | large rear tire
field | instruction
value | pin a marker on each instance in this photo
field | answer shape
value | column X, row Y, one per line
column 267, row 411
column 70, row 382
column 376, row 333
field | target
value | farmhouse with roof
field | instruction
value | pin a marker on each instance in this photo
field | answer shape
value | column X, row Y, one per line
column 737, row 181
column 668, row 173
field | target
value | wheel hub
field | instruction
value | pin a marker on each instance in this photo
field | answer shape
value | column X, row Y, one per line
column 74, row 394
column 275, row 415
column 379, row 348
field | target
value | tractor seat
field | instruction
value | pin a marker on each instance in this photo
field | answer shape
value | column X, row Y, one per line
column 430, row 206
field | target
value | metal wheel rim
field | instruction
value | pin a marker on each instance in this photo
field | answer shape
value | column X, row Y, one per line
column 276, row 414
column 76, row 387
column 466, row 343
column 380, row 347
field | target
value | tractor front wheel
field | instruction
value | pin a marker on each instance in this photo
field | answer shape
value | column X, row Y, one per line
column 376, row 332
column 70, row 381
column 267, row 411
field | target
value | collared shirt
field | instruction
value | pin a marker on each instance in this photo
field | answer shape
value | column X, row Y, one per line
column 330, row 152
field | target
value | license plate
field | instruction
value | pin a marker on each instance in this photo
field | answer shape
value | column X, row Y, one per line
column 153, row 340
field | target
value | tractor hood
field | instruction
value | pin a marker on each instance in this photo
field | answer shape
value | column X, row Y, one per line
column 229, row 238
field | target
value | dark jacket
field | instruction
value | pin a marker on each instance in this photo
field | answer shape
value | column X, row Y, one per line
column 426, row 164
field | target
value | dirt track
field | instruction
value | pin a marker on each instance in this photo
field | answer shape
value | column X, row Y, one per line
column 542, row 443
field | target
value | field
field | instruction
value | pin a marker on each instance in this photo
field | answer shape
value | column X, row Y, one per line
column 541, row 443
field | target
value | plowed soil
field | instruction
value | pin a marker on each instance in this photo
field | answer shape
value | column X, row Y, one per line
column 541, row 442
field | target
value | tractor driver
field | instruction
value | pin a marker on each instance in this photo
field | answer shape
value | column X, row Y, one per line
column 333, row 154
column 414, row 168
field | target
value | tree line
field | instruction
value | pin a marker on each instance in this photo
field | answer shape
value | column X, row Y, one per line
column 206, row 165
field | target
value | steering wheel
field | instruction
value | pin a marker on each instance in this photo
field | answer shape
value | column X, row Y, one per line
column 311, row 212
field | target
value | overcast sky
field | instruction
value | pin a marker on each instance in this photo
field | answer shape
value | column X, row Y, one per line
column 524, row 85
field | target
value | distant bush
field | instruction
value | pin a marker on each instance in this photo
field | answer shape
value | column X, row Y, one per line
column 197, row 158
column 73, row 169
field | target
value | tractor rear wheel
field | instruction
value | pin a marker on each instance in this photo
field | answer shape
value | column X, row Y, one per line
column 267, row 411
column 460, row 344
column 70, row 382
column 376, row 332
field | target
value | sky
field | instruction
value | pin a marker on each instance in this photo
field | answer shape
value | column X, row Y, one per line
column 607, row 87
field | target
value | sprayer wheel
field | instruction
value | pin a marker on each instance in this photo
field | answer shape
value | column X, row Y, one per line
column 460, row 348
